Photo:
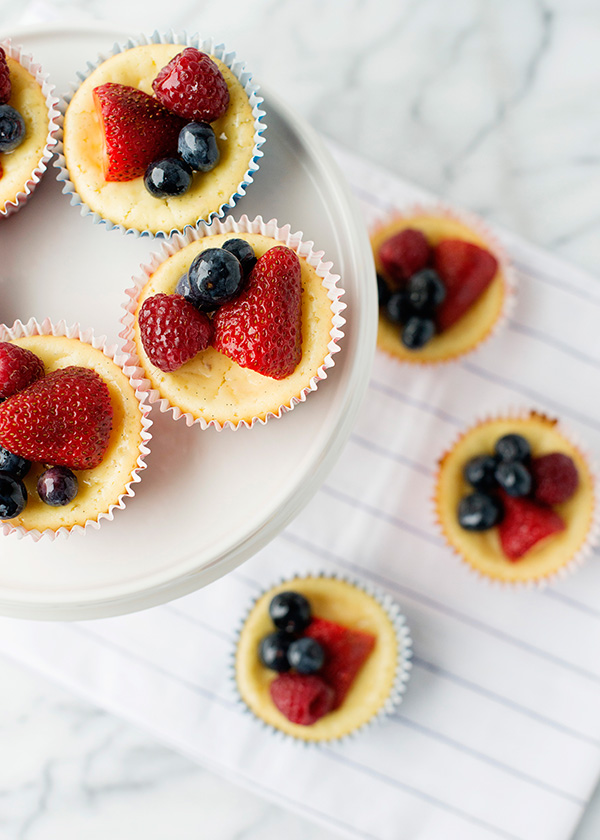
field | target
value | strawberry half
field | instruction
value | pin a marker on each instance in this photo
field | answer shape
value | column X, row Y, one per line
column 137, row 130
column 466, row 271
column 262, row 328
column 63, row 420
column 525, row 524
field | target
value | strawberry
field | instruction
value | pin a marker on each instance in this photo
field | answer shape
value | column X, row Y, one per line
column 302, row 698
column 172, row 330
column 403, row 254
column 466, row 271
column 555, row 478
column 192, row 86
column 63, row 420
column 345, row 653
column 18, row 368
column 525, row 524
column 137, row 129
column 5, row 83
column 262, row 328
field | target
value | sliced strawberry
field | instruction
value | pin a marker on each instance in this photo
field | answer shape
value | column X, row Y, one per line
column 555, row 478
column 466, row 271
column 302, row 698
column 525, row 524
column 18, row 368
column 403, row 254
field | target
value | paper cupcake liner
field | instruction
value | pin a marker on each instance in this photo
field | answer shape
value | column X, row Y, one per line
column 403, row 660
column 206, row 45
column 26, row 60
column 32, row 327
column 508, row 273
column 593, row 535
column 270, row 229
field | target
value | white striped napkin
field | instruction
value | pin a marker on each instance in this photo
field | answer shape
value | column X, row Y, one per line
column 499, row 733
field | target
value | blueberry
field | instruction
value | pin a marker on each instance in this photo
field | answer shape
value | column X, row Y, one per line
column 197, row 146
column 12, row 128
column 215, row 277
column 290, row 611
column 306, row 655
column 383, row 290
column 514, row 478
column 244, row 252
column 183, row 288
column 167, row 177
column 398, row 309
column 426, row 291
column 15, row 465
column 57, row 486
column 480, row 472
column 417, row 332
column 479, row 512
column 13, row 496
column 273, row 651
column 512, row 448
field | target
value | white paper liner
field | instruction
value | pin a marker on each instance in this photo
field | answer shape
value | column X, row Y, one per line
column 208, row 46
column 593, row 536
column 282, row 235
column 32, row 327
column 403, row 659
column 26, row 60
column 507, row 270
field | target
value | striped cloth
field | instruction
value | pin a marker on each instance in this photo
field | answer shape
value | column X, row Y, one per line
column 499, row 732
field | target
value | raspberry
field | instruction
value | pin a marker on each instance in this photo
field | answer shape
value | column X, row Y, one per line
column 403, row 254
column 192, row 86
column 172, row 330
column 18, row 368
column 555, row 478
column 5, row 85
column 466, row 271
column 302, row 698
column 525, row 524
column 63, row 420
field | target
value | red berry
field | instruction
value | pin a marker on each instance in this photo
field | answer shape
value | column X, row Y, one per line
column 404, row 254
column 525, row 524
column 192, row 86
column 18, row 368
column 63, row 420
column 5, row 85
column 262, row 328
column 137, row 130
column 172, row 330
column 466, row 271
column 302, row 698
column 345, row 653
column 555, row 478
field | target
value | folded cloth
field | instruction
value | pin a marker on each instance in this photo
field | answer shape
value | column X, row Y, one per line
column 499, row 732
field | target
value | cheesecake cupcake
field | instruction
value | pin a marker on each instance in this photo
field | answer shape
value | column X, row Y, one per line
column 233, row 324
column 320, row 657
column 27, row 126
column 160, row 135
column 74, row 431
column 516, row 498
column 444, row 285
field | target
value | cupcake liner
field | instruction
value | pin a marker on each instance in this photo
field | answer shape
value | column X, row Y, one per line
column 593, row 535
column 208, row 46
column 271, row 229
column 32, row 327
column 26, row 60
column 403, row 659
column 508, row 272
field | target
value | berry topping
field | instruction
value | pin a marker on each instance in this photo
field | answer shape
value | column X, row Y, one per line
column 555, row 478
column 167, row 177
column 5, row 85
column 172, row 331
column 398, row 309
column 57, row 486
column 215, row 278
column 479, row 512
column 306, row 655
column 15, row 465
column 13, row 496
column 12, row 128
column 417, row 332
column 18, row 368
column 383, row 290
column 262, row 328
column 512, row 448
column 64, row 419
column 243, row 251
column 137, row 130
column 466, row 271
column 290, row 611
column 197, row 146
column 425, row 291
column 273, row 651
column 514, row 478
column 525, row 524
column 480, row 472
column 192, row 86
column 302, row 698
column 404, row 254
column 183, row 288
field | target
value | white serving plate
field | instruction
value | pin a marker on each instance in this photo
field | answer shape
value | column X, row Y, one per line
column 208, row 500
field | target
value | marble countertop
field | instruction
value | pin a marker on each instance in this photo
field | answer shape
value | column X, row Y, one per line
column 489, row 105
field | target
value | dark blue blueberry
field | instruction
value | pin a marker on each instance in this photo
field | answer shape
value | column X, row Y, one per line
column 480, row 472
column 197, row 146
column 290, row 611
column 513, row 448
column 13, row 496
column 398, row 309
column 306, row 655
column 383, row 290
column 273, row 651
column 167, row 177
column 479, row 512
column 215, row 277
column 57, row 486
column 426, row 291
column 244, row 252
column 514, row 478
column 12, row 128
column 417, row 332
column 15, row 465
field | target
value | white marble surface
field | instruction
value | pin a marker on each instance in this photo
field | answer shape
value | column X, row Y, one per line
column 490, row 104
